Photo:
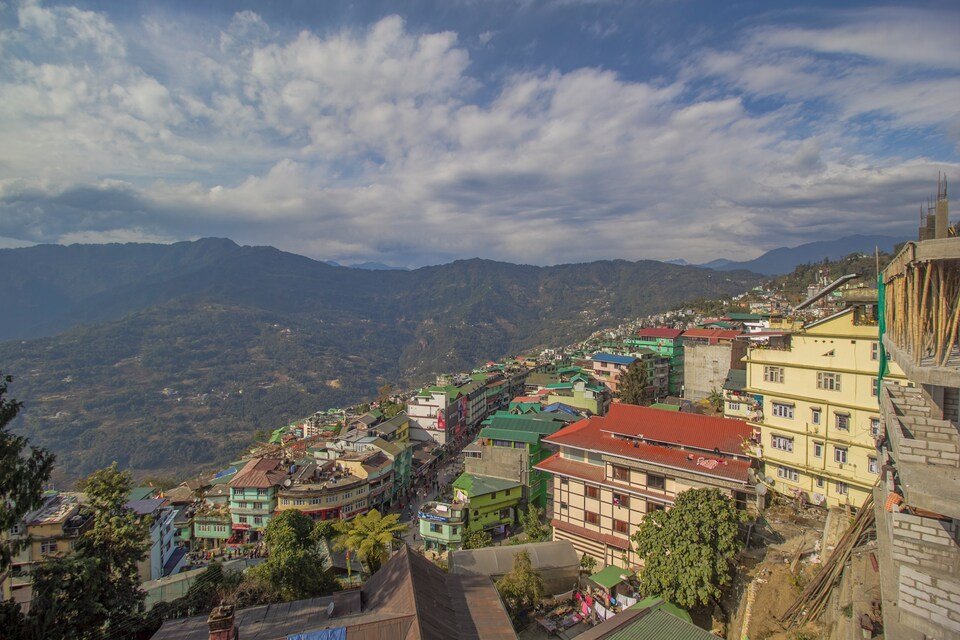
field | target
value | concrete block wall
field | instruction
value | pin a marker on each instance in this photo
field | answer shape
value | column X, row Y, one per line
column 926, row 544
column 937, row 444
column 929, row 604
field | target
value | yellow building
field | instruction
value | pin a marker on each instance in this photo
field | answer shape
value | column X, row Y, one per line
column 818, row 417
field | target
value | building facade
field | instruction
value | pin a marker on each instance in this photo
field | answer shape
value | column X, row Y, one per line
column 442, row 525
column 818, row 418
column 610, row 472
column 667, row 343
column 492, row 502
column 708, row 356
column 253, row 496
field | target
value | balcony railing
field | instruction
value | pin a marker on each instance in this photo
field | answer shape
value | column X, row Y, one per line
column 922, row 306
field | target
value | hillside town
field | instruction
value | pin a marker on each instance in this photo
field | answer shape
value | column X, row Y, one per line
column 825, row 427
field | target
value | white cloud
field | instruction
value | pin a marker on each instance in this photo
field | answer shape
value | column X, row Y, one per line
column 373, row 143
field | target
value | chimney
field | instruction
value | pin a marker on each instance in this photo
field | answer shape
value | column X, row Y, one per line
column 221, row 623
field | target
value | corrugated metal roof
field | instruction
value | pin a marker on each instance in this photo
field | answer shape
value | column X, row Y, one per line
column 497, row 561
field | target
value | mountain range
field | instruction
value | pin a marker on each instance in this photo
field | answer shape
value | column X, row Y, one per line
column 785, row 259
column 166, row 358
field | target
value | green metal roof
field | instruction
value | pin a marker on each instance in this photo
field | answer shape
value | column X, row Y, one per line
column 665, row 407
column 510, row 435
column 560, row 385
column 543, row 423
column 141, row 493
column 746, row 317
column 609, row 577
column 660, row 625
column 481, row 485
column 663, row 605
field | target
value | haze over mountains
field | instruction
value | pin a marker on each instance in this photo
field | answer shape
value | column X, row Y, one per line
column 783, row 260
column 166, row 357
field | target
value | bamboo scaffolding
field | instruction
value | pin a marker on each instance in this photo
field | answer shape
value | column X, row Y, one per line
column 811, row 603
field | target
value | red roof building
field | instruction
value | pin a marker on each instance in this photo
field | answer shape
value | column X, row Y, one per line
column 712, row 336
column 660, row 332
column 611, row 471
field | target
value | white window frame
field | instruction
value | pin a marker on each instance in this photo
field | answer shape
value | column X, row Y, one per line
column 842, row 488
column 781, row 410
column 773, row 374
column 875, row 427
column 873, row 465
column 842, row 418
column 820, row 482
column 817, row 449
column 838, row 453
column 828, row 381
column 788, row 473
column 734, row 406
column 781, row 443
column 815, row 416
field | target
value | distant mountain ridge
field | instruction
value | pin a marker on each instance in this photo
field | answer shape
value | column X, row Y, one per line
column 139, row 353
column 785, row 259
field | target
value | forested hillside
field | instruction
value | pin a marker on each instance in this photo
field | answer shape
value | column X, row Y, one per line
column 148, row 347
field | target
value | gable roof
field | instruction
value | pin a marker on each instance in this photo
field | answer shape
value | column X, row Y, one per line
column 480, row 485
column 656, row 622
column 711, row 335
column 736, row 380
column 259, row 473
column 659, row 332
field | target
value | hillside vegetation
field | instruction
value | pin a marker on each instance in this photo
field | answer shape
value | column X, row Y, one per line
column 139, row 353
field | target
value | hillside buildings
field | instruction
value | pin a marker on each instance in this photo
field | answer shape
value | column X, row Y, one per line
column 253, row 496
column 163, row 557
column 666, row 343
column 610, row 471
column 708, row 355
column 815, row 410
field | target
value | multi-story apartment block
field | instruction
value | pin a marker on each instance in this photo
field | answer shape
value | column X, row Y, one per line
column 164, row 557
column 442, row 525
column 708, row 355
column 50, row 531
column 492, row 502
column 326, row 491
column 211, row 526
column 610, row 471
column 436, row 411
column 817, row 418
column 608, row 367
column 581, row 392
column 376, row 468
column 737, row 403
column 917, row 502
column 253, row 496
column 666, row 343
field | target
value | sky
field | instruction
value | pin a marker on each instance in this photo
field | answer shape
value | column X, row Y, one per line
column 416, row 133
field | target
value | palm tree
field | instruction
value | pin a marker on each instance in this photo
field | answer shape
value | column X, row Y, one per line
column 371, row 536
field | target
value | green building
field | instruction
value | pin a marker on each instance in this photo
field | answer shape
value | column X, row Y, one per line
column 442, row 525
column 581, row 392
column 492, row 502
column 666, row 343
column 211, row 526
column 253, row 496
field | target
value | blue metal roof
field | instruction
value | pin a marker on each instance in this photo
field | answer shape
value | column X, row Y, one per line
column 609, row 357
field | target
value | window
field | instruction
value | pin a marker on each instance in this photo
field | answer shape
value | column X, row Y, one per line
column 262, row 492
column 872, row 465
column 593, row 492
column 875, row 351
column 788, row 474
column 840, row 454
column 258, row 520
column 506, row 513
column 654, row 506
column 435, row 528
column 621, row 473
column 656, row 482
column 841, row 488
column 734, row 406
column 781, row 410
column 782, row 443
column 817, row 449
column 621, row 500
column 620, row 526
column 773, row 374
column 820, row 483
column 563, row 505
column 563, row 481
column 815, row 416
column 493, row 495
column 828, row 380
column 843, row 421
column 49, row 546
column 242, row 519
column 875, row 427
column 591, row 517
column 873, row 389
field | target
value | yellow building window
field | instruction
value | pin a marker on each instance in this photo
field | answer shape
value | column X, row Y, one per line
column 773, row 374
column 828, row 380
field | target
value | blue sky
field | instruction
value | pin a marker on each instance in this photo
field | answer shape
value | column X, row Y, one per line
column 423, row 132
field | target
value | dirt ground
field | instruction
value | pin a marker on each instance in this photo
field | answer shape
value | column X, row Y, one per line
column 774, row 571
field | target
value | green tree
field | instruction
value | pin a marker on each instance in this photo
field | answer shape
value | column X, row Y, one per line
column 23, row 470
column 477, row 539
column 688, row 551
column 634, row 383
column 533, row 526
column 325, row 530
column 294, row 567
column 588, row 563
column 370, row 536
column 715, row 399
column 522, row 588
column 96, row 591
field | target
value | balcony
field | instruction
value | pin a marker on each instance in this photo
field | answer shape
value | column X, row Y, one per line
column 926, row 450
column 920, row 335
column 441, row 512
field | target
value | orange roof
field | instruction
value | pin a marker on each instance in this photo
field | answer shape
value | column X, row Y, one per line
column 526, row 399
column 659, row 332
column 259, row 473
column 637, row 432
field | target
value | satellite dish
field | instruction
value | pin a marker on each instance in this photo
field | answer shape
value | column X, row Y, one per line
column 287, row 482
column 761, row 489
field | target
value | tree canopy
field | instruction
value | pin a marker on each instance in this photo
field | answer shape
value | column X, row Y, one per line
column 522, row 588
column 634, row 384
column 371, row 536
column 23, row 470
column 688, row 551
column 294, row 567
column 477, row 539
column 533, row 525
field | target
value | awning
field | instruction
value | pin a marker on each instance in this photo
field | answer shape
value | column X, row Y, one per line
column 610, row 576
